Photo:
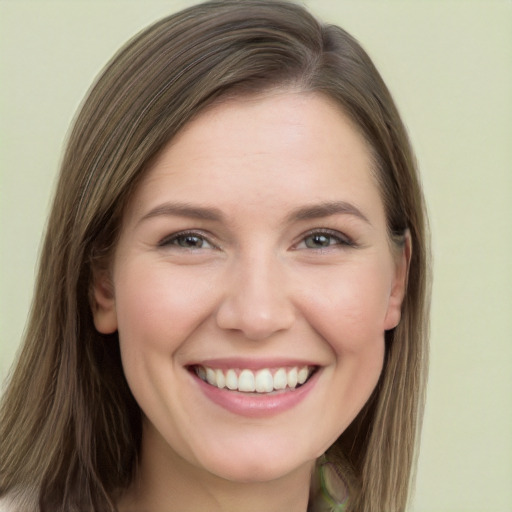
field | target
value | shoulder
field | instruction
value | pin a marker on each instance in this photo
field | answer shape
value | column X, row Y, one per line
column 7, row 504
column 18, row 502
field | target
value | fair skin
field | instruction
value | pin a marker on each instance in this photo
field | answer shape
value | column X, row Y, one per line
column 256, row 243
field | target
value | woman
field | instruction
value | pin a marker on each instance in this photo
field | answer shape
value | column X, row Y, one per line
column 230, row 312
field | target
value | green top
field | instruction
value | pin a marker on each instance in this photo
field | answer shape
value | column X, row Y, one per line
column 329, row 491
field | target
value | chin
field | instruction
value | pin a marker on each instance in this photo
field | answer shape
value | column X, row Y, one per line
column 258, row 468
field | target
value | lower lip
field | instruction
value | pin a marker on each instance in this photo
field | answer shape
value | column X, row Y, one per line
column 254, row 405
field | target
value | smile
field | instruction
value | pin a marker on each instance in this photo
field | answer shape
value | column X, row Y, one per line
column 255, row 390
column 265, row 380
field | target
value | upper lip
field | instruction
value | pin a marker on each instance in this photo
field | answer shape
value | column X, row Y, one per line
column 252, row 364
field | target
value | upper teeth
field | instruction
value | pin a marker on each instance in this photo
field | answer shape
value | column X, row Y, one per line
column 261, row 381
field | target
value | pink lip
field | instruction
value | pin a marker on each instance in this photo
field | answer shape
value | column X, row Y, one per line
column 254, row 405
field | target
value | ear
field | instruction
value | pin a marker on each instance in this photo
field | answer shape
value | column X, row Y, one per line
column 399, row 284
column 103, row 302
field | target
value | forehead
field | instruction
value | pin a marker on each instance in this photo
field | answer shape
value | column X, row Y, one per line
column 273, row 150
column 239, row 122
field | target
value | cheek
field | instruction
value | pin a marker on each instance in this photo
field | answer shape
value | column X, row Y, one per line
column 348, row 308
column 157, row 308
column 157, row 311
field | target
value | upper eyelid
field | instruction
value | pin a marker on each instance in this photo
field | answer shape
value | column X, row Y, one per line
column 327, row 231
column 192, row 232
column 210, row 239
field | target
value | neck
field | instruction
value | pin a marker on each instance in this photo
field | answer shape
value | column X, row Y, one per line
column 166, row 482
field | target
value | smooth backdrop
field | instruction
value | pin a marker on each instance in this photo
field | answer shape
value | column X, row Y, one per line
column 449, row 66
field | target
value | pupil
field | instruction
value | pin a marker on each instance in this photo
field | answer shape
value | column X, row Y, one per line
column 319, row 241
column 190, row 241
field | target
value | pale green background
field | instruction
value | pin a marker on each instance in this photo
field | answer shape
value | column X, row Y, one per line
column 449, row 66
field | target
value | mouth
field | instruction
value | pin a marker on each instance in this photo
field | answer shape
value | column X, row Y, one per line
column 261, row 381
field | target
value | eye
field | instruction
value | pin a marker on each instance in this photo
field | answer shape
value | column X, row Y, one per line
column 323, row 239
column 186, row 240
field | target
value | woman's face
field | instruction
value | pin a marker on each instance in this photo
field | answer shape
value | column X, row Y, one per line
column 251, row 287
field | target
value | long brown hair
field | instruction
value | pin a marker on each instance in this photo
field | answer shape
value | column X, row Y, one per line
column 70, row 429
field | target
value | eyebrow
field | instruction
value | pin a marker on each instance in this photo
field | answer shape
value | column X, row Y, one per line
column 326, row 209
column 314, row 211
column 185, row 210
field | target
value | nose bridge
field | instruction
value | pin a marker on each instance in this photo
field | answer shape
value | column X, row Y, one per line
column 256, row 301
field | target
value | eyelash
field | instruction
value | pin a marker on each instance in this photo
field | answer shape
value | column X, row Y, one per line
column 339, row 240
column 172, row 240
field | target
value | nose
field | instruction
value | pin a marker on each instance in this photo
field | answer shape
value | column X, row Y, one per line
column 256, row 302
